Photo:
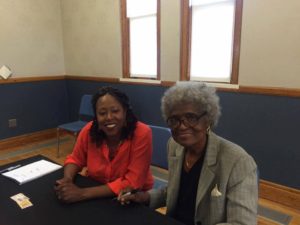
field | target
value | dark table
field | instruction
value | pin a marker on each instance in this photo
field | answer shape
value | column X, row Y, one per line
column 47, row 209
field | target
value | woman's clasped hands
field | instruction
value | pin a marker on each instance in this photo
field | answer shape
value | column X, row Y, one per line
column 66, row 191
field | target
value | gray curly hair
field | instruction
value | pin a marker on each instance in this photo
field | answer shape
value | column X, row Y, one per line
column 198, row 93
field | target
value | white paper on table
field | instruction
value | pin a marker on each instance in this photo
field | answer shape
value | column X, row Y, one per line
column 32, row 171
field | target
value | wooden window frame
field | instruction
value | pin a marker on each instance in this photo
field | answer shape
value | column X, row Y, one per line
column 125, row 30
column 185, row 41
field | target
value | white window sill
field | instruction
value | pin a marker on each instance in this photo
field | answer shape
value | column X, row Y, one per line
column 137, row 80
column 222, row 85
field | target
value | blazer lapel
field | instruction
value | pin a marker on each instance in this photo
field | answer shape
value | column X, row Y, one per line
column 207, row 173
column 175, row 166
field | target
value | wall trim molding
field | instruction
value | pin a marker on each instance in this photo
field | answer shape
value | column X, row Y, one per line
column 27, row 138
column 32, row 79
column 93, row 78
column 276, row 91
column 278, row 193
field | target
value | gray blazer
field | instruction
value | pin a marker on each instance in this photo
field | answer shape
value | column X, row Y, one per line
column 227, row 189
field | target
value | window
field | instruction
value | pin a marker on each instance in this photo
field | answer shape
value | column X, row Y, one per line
column 210, row 40
column 140, row 38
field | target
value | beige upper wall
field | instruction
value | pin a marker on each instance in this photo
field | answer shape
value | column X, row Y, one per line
column 31, row 37
column 92, row 37
column 170, row 40
column 270, row 48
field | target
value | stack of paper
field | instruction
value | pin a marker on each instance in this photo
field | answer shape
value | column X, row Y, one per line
column 32, row 171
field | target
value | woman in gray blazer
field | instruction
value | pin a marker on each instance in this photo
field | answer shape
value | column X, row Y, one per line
column 211, row 180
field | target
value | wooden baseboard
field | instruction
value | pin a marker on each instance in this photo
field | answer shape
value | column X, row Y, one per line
column 265, row 221
column 27, row 138
column 278, row 193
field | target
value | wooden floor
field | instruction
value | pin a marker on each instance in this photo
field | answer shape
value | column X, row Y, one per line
column 48, row 148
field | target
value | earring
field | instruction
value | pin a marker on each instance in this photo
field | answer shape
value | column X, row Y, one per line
column 208, row 130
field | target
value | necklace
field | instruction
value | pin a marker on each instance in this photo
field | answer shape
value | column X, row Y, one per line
column 188, row 164
column 190, row 160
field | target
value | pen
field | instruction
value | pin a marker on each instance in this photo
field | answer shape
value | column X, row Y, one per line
column 10, row 168
column 127, row 193
column 130, row 192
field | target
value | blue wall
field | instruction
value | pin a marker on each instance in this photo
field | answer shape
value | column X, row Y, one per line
column 266, row 126
column 36, row 106
column 144, row 99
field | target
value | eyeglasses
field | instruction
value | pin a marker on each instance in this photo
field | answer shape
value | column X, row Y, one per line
column 188, row 119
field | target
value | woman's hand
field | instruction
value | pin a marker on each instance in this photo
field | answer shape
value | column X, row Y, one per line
column 63, row 180
column 67, row 191
column 128, row 195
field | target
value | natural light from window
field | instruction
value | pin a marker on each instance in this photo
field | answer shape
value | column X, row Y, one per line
column 212, row 40
column 143, row 38
column 143, row 47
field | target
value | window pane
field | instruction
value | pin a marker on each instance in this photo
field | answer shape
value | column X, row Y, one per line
column 143, row 47
column 137, row 8
column 211, row 41
column 204, row 2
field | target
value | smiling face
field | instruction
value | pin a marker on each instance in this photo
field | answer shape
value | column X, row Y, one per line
column 191, row 137
column 111, row 116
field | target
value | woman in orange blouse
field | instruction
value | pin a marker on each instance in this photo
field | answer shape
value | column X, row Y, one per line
column 115, row 148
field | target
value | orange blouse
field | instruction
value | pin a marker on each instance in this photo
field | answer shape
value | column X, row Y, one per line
column 129, row 167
